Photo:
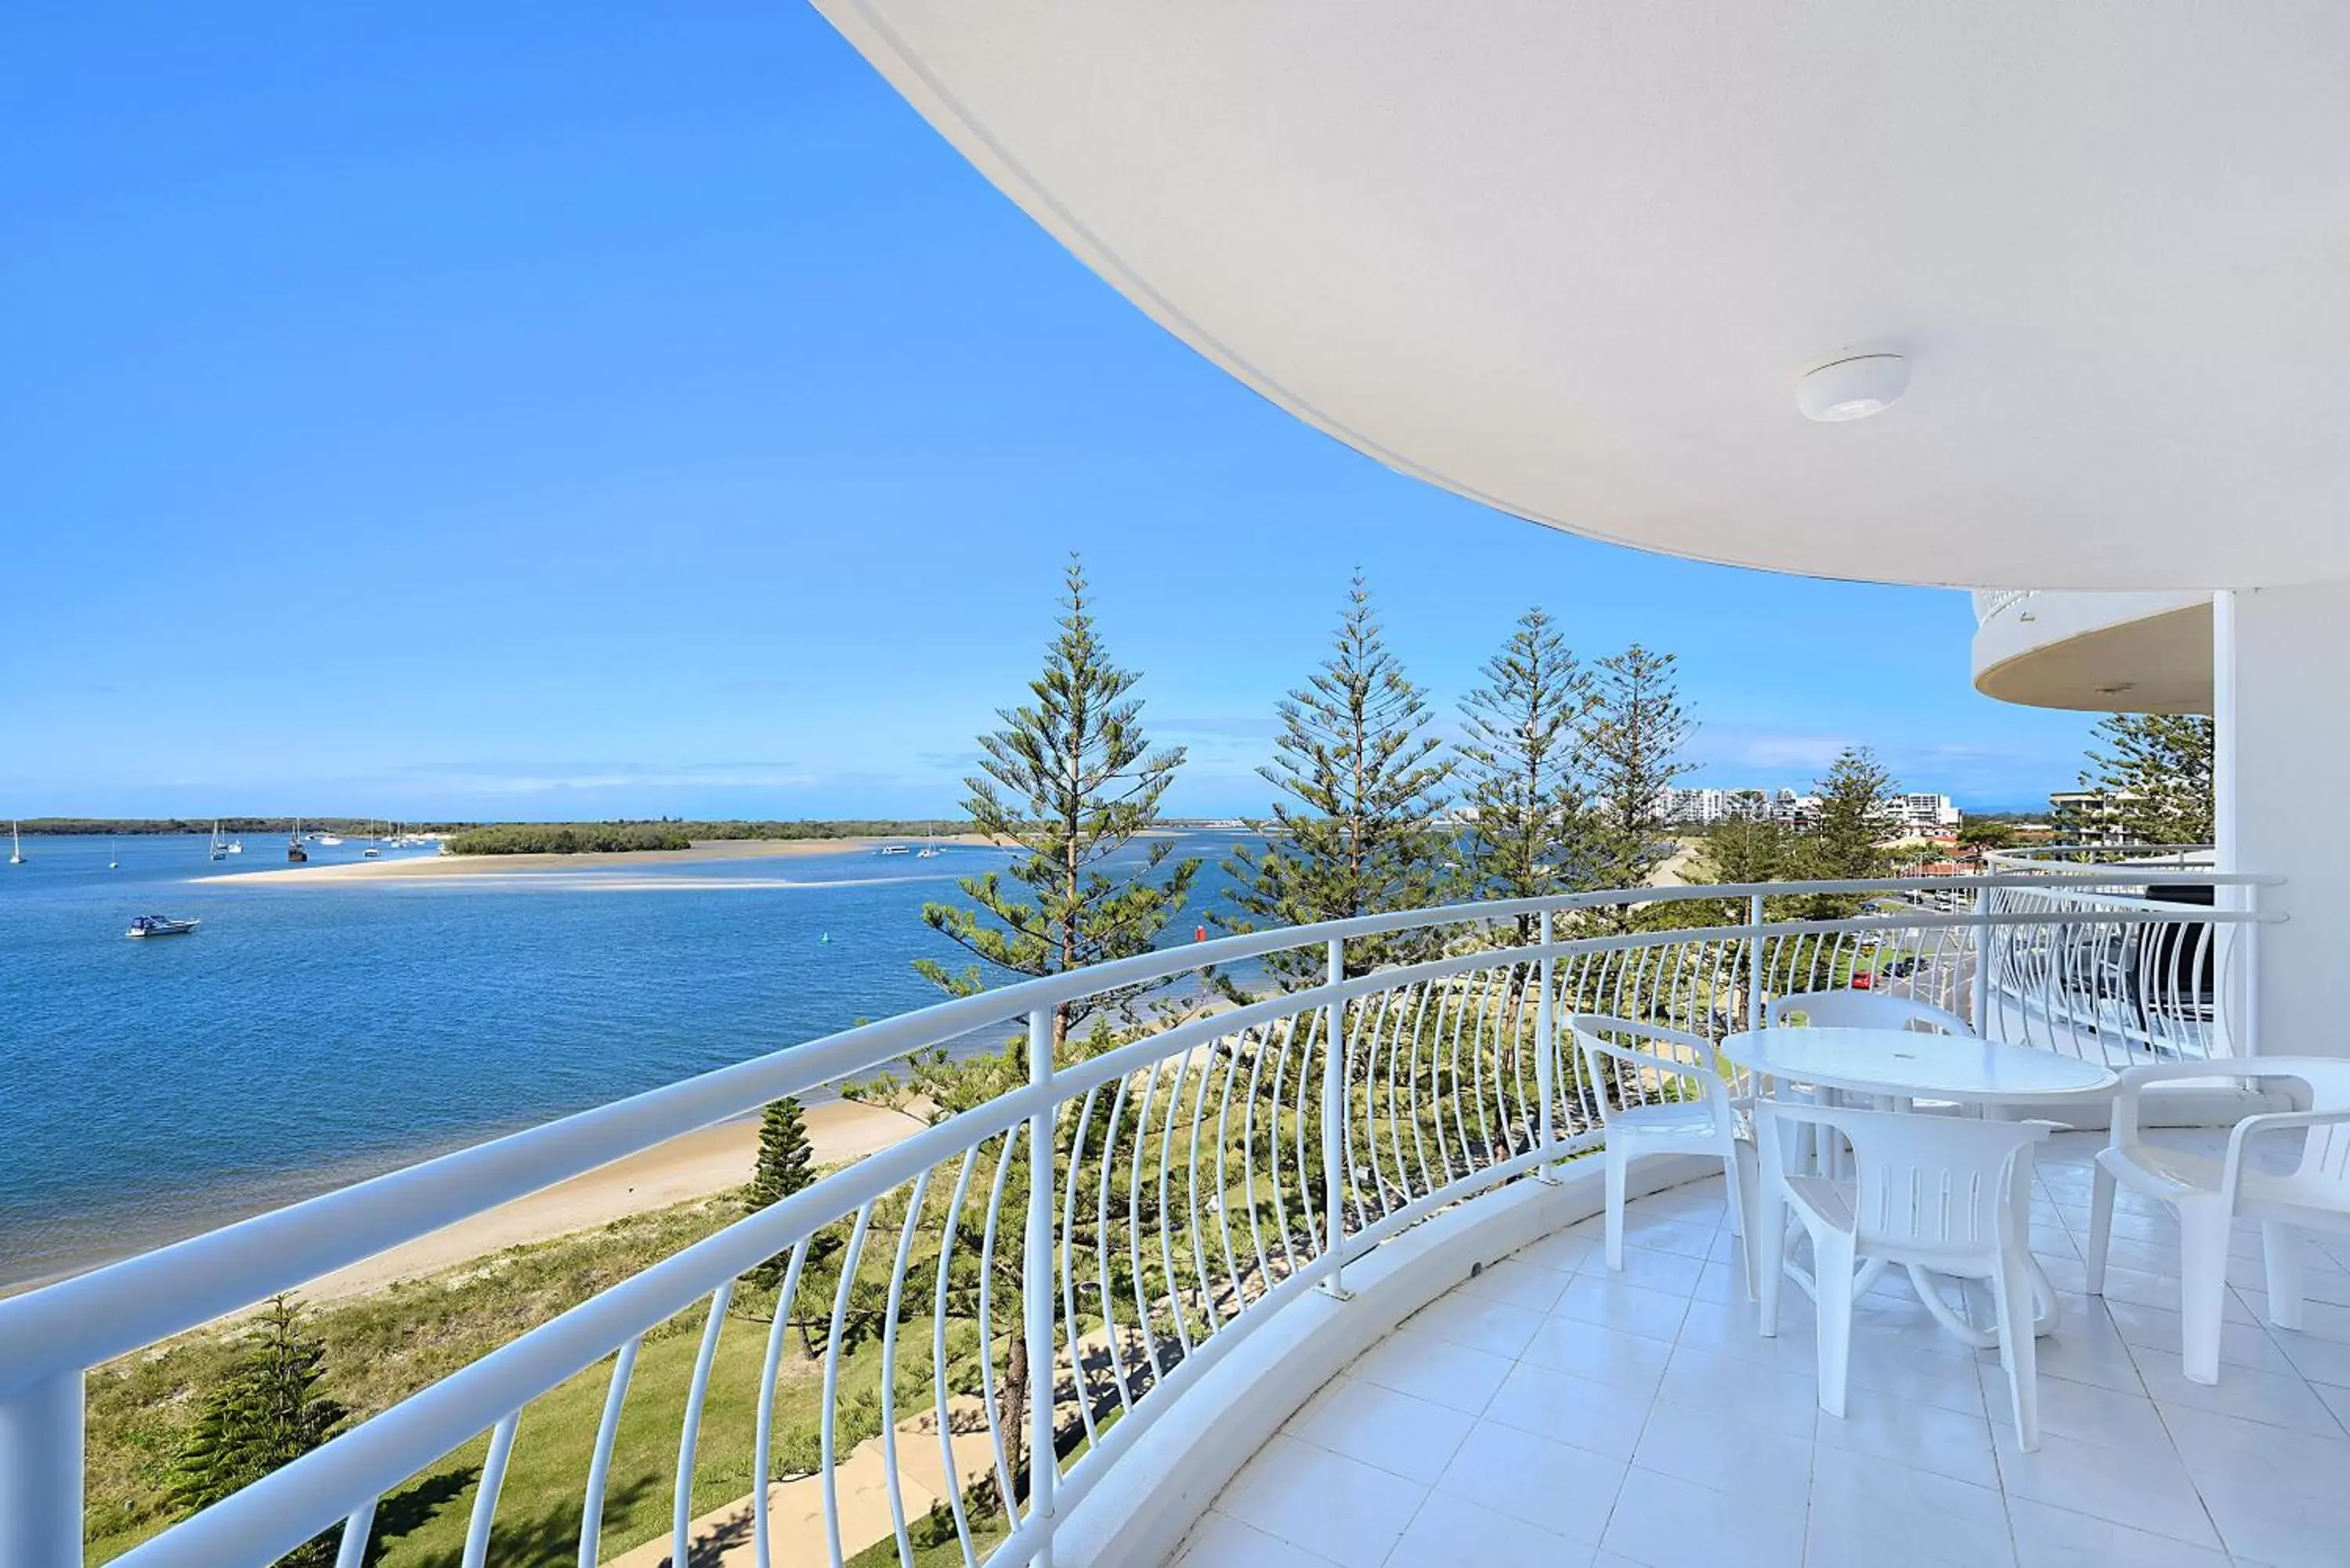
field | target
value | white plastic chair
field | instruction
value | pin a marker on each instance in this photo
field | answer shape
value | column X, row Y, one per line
column 1862, row 1009
column 2211, row 1194
column 1950, row 1195
column 1708, row 1123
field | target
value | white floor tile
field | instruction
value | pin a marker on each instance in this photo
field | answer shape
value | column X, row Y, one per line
column 1479, row 1323
column 1453, row 1532
column 1743, row 1393
column 1649, row 1269
column 1677, row 1238
column 2140, row 1488
column 1569, row 1409
column 2271, row 1398
column 1322, row 1502
column 2106, row 1416
column 1926, row 1436
column 1667, row 1523
column 1751, row 1462
column 1220, row 1541
column 1867, row 1512
column 1517, row 1283
column 2156, row 1329
column 2278, row 1497
column 1599, row 1354
column 1438, row 1370
column 1566, row 1490
column 1562, row 1253
column 1886, row 1368
column 2049, row 1537
column 1611, row 1304
column 1408, row 1435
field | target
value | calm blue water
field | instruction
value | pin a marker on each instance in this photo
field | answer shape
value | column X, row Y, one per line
column 308, row 1035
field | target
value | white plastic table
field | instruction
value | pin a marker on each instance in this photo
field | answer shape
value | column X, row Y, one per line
column 1899, row 1065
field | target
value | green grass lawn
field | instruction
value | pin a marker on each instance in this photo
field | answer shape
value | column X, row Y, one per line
column 382, row 1347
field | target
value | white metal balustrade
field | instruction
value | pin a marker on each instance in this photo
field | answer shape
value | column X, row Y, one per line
column 1118, row 1222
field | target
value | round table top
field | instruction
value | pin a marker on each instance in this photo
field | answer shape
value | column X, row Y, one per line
column 1913, row 1064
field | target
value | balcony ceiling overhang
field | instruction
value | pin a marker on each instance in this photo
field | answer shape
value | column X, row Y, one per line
column 1567, row 259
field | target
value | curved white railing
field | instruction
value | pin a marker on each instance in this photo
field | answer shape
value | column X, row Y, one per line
column 2122, row 857
column 1044, row 1273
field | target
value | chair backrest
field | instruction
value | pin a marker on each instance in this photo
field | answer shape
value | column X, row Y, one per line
column 1863, row 1009
column 1924, row 1184
column 2325, row 1151
column 1644, row 1059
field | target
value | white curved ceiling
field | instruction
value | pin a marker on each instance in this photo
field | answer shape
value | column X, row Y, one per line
column 1567, row 258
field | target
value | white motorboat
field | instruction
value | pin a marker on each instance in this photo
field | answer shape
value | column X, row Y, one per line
column 161, row 926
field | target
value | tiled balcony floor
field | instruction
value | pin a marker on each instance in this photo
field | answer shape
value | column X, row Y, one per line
column 1550, row 1414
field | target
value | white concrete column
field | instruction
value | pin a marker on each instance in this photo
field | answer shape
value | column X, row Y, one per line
column 2281, row 702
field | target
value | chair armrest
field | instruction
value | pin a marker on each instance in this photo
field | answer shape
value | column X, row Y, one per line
column 2232, row 1170
column 2133, row 1079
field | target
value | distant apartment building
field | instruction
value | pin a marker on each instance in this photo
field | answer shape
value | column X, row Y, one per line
column 1927, row 815
column 2089, row 815
column 1705, row 808
column 1914, row 816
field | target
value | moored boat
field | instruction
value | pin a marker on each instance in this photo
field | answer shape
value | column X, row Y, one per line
column 161, row 926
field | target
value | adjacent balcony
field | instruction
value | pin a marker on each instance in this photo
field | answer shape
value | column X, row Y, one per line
column 1306, row 1277
column 2097, row 652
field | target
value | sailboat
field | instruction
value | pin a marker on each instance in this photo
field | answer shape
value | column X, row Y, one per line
column 16, row 845
column 220, row 850
column 111, row 861
column 293, row 850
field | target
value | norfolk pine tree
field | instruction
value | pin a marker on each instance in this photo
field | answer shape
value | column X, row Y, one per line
column 1068, row 782
column 1359, row 784
column 2156, row 768
column 1530, row 833
column 1631, row 738
column 266, row 1413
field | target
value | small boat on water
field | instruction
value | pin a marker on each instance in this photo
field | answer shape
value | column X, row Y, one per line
column 161, row 926
column 236, row 846
column 896, row 849
column 371, row 853
column 295, row 853
column 326, row 839
column 219, row 851
column 16, row 845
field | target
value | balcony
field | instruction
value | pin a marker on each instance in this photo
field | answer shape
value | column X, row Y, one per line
column 1233, row 1238
column 2097, row 652
column 1547, row 1411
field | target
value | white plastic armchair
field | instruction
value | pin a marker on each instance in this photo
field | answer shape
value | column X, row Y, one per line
column 1863, row 1010
column 2209, row 1195
column 1679, row 1102
column 1949, row 1195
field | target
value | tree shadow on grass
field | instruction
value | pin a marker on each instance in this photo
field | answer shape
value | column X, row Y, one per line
column 543, row 1537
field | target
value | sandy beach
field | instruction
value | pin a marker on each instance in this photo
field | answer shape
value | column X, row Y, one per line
column 499, row 868
column 698, row 1165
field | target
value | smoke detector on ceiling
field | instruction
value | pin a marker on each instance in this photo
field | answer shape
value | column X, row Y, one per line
column 1851, row 388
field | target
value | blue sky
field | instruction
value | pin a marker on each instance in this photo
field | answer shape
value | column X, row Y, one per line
column 583, row 411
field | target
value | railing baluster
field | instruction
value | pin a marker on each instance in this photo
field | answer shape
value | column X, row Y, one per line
column 1334, row 1112
column 353, row 1552
column 600, row 1465
column 690, row 1435
column 41, row 1442
column 1036, row 1288
column 486, row 1496
column 889, row 1371
column 763, row 1441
